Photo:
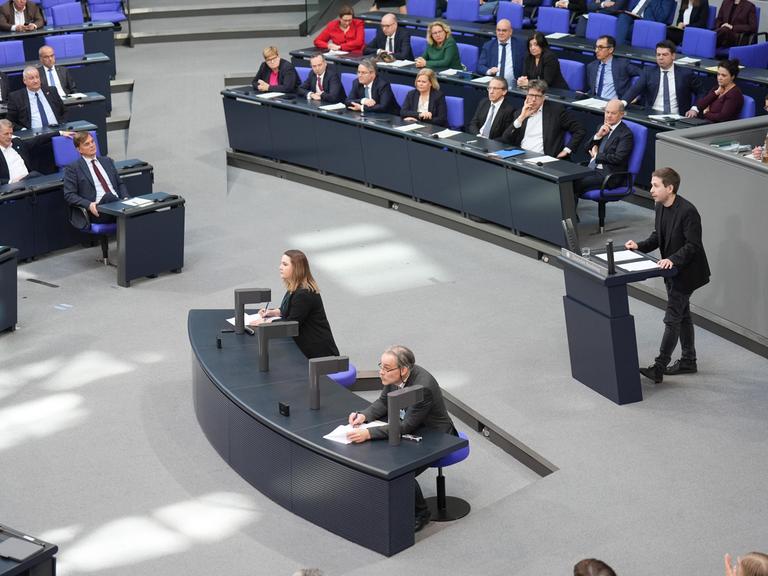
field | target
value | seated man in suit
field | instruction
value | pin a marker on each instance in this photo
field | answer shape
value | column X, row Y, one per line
column 34, row 107
column 654, row 10
column 507, row 62
column 3, row 87
column 369, row 92
column 609, row 149
column 398, row 369
column 20, row 16
column 609, row 77
column 92, row 180
column 19, row 158
column 53, row 77
column 541, row 125
column 323, row 83
column 493, row 115
column 666, row 89
column 390, row 39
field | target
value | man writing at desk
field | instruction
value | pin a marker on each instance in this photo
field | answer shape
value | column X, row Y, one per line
column 398, row 369
column 92, row 180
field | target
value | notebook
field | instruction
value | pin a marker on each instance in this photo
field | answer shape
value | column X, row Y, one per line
column 18, row 549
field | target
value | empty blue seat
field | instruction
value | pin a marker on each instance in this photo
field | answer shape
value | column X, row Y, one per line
column 12, row 53
column 753, row 56
column 67, row 45
column 601, row 25
column 553, row 20
column 106, row 11
column 67, row 14
column 467, row 10
column 512, row 12
column 748, row 109
column 455, row 106
column 574, row 73
column 698, row 42
column 446, row 508
column 646, row 33
column 424, row 8
column 370, row 34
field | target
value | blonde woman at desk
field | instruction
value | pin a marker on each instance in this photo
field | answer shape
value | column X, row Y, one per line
column 302, row 303
column 425, row 103
column 442, row 52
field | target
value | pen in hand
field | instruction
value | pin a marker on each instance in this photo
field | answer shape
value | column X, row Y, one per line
column 263, row 311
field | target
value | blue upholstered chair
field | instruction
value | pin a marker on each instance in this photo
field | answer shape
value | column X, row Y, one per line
column 67, row 14
column 446, row 508
column 553, row 20
column 574, row 73
column 67, row 45
column 64, row 151
column 418, row 45
column 698, row 42
column 604, row 195
column 512, row 12
column 12, row 53
column 469, row 55
column 303, row 72
column 346, row 378
column 601, row 25
column 712, row 17
column 748, row 109
column 370, row 34
column 346, row 81
column 753, row 56
column 424, row 8
column 646, row 33
column 400, row 91
column 467, row 10
column 455, row 106
column 106, row 11
column 47, row 5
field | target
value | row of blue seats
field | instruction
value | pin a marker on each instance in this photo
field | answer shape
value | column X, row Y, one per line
column 69, row 12
column 64, row 45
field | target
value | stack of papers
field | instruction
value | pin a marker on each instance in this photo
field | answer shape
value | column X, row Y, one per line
column 665, row 117
column 137, row 202
column 409, row 127
column 447, row 133
column 77, row 95
column 638, row 266
column 336, row 53
column 688, row 60
column 397, row 63
column 620, row 256
column 269, row 95
column 558, row 35
column 450, row 72
column 337, row 106
column 595, row 103
column 542, row 159
column 483, row 79
column 339, row 434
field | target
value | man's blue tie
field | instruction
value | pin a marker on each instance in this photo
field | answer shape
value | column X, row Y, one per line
column 51, row 78
column 502, row 65
column 665, row 95
column 600, row 81
column 43, row 117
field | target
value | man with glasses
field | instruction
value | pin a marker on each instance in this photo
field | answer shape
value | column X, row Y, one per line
column 541, row 125
column 502, row 56
column 666, row 89
column 398, row 369
column 609, row 77
column 390, row 39
column 493, row 115
column 369, row 92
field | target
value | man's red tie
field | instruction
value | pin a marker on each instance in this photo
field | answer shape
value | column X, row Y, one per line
column 319, row 85
column 101, row 178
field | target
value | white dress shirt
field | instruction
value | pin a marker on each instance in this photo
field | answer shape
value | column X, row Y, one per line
column 658, row 104
column 37, row 122
column 509, row 65
column 56, row 79
column 18, row 19
column 16, row 167
column 99, row 188
column 534, row 133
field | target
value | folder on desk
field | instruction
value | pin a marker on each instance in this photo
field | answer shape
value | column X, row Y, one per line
column 508, row 153
column 17, row 549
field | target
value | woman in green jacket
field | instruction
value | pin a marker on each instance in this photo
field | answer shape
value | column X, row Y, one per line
column 442, row 52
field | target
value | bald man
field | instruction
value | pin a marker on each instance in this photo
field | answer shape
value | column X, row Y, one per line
column 390, row 39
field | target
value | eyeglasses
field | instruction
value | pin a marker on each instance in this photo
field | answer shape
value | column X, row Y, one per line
column 598, row 47
column 535, row 96
column 383, row 370
column 494, row 88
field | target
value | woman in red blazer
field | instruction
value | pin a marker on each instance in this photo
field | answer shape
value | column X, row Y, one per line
column 725, row 102
column 346, row 33
column 735, row 18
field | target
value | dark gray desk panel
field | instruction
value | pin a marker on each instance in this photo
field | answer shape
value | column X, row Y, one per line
column 52, row 228
column 484, row 190
column 248, row 123
column 42, row 563
column 537, row 206
column 436, row 174
column 8, row 289
column 387, row 162
column 15, row 230
column 344, row 155
column 293, row 137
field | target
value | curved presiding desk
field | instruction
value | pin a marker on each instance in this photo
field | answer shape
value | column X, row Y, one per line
column 363, row 493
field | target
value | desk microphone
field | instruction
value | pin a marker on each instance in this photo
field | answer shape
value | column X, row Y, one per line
column 609, row 254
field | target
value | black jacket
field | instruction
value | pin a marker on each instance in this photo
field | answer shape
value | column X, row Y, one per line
column 79, row 188
column 287, row 79
column 381, row 92
column 699, row 14
column 615, row 155
column 556, row 121
column 402, row 44
column 18, row 107
column 28, row 150
column 62, row 76
column 547, row 70
column 429, row 413
column 437, row 106
column 333, row 91
column 503, row 119
column 681, row 243
column 315, row 339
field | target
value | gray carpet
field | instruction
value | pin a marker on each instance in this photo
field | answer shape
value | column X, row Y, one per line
column 101, row 452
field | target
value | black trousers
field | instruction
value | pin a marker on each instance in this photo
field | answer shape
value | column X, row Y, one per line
column 104, row 218
column 420, row 503
column 677, row 326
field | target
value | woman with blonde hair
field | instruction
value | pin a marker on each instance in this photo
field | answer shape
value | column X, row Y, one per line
column 442, row 52
column 426, row 103
column 753, row 564
column 302, row 303
column 275, row 74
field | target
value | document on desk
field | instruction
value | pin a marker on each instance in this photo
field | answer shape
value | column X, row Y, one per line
column 269, row 95
column 638, row 266
column 250, row 318
column 337, row 106
column 76, row 95
column 483, row 79
column 409, row 127
column 450, row 72
column 339, row 434
column 688, row 60
column 336, row 53
column 397, row 63
column 620, row 256
column 447, row 133
column 541, row 159
column 665, row 117
column 137, row 202
column 594, row 103
column 557, row 35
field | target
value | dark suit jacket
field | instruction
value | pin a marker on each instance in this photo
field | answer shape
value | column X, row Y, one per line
column 28, row 150
column 547, row 70
column 315, row 338
column 381, row 92
column 402, row 47
column 555, row 122
column 62, row 76
column 489, row 56
column 429, row 413
column 505, row 115
column 721, row 109
column 18, row 106
column 687, row 86
column 658, row 10
column 699, row 14
column 333, row 91
column 595, row 6
column 622, row 71
column 437, row 106
column 3, row 87
column 681, row 243
column 32, row 15
column 287, row 79
column 615, row 156
column 742, row 16
column 79, row 189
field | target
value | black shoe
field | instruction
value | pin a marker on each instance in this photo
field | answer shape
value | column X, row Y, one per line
column 653, row 372
column 421, row 521
column 682, row 367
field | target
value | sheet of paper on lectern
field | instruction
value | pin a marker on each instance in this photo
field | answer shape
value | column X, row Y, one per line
column 620, row 256
column 339, row 434
column 269, row 95
column 638, row 266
